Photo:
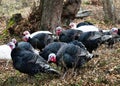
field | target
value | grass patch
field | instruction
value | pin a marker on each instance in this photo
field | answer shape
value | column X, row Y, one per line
column 102, row 63
column 86, row 2
column 102, row 79
column 11, row 81
column 4, row 35
column 10, row 22
column 118, row 50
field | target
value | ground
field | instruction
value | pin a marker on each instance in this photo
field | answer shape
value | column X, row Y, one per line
column 101, row 71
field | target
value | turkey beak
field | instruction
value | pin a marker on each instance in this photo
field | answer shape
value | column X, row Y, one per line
column 24, row 39
column 58, row 32
column 69, row 26
column 48, row 60
column 11, row 46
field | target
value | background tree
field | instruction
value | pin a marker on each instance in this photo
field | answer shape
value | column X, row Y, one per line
column 109, row 11
column 48, row 15
column 53, row 13
column 0, row 2
column 95, row 2
column 70, row 9
column 117, row 11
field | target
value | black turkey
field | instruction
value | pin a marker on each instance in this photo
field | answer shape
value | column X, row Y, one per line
column 78, row 43
column 51, row 48
column 92, row 40
column 69, row 35
column 112, row 36
column 26, row 46
column 115, row 31
column 84, row 23
column 35, row 33
column 71, row 56
column 83, row 27
column 55, row 46
column 38, row 41
column 28, row 62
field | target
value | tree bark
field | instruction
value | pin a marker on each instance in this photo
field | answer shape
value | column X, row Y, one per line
column 57, row 12
column 96, row 2
column 51, row 11
column 49, row 14
column 0, row 2
column 117, row 10
column 70, row 9
column 109, row 11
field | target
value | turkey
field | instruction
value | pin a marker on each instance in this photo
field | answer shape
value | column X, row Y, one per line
column 84, row 23
column 90, row 39
column 35, row 33
column 93, row 39
column 78, row 43
column 55, row 46
column 115, row 31
column 81, row 45
column 51, row 48
column 71, row 56
column 115, row 36
column 28, row 62
column 69, row 35
column 38, row 41
column 106, row 32
column 5, row 50
column 83, row 27
column 58, row 30
column 83, row 13
column 27, row 46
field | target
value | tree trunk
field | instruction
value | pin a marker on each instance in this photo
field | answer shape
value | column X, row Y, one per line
column 95, row 2
column 117, row 10
column 50, row 14
column 109, row 11
column 70, row 9
column 0, row 2
column 54, row 12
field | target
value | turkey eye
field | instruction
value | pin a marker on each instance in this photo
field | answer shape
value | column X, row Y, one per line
column 51, row 57
column 71, row 25
column 24, row 34
column 11, row 46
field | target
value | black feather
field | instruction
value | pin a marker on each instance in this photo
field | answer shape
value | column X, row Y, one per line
column 51, row 48
column 91, row 40
column 72, row 56
column 26, row 61
column 84, row 23
column 40, row 40
column 69, row 35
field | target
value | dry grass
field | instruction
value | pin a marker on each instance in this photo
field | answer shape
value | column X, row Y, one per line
column 101, row 71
